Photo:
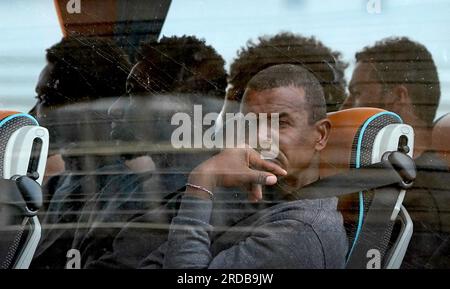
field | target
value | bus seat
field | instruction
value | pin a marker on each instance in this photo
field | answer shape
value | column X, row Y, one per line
column 359, row 137
column 23, row 155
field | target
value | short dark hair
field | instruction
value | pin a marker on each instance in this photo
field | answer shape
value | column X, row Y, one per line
column 285, row 75
column 288, row 48
column 184, row 64
column 87, row 70
column 399, row 60
column 90, row 68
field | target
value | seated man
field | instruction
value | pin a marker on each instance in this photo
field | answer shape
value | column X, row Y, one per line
column 213, row 226
column 76, row 76
column 73, row 93
column 399, row 75
column 171, row 75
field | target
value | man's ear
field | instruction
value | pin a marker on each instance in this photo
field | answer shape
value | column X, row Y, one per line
column 323, row 128
column 401, row 99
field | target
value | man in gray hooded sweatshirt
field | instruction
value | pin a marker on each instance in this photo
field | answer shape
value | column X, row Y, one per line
column 237, row 211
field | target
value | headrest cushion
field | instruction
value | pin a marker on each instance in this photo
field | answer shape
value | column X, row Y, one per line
column 9, row 123
column 352, row 136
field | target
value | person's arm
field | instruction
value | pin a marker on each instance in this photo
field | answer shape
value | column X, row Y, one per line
column 280, row 244
column 188, row 240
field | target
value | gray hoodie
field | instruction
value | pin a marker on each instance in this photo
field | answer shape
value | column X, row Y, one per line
column 294, row 234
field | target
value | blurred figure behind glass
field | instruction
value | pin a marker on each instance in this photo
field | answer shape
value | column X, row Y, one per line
column 83, row 76
column 399, row 75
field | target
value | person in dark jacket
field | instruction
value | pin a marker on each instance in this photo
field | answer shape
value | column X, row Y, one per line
column 171, row 76
column 82, row 77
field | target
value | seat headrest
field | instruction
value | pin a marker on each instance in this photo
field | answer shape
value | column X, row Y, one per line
column 23, row 145
column 5, row 113
column 23, row 152
column 441, row 137
column 358, row 136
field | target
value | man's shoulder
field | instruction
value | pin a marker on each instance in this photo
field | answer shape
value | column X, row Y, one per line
column 432, row 172
column 431, row 161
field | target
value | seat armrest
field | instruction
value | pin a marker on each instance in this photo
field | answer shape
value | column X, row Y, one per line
column 400, row 246
column 34, row 235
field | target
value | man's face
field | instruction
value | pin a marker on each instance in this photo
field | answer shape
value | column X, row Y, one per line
column 65, row 111
column 49, row 107
column 297, row 137
column 145, row 115
column 46, row 92
column 126, row 112
column 139, row 80
column 366, row 90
